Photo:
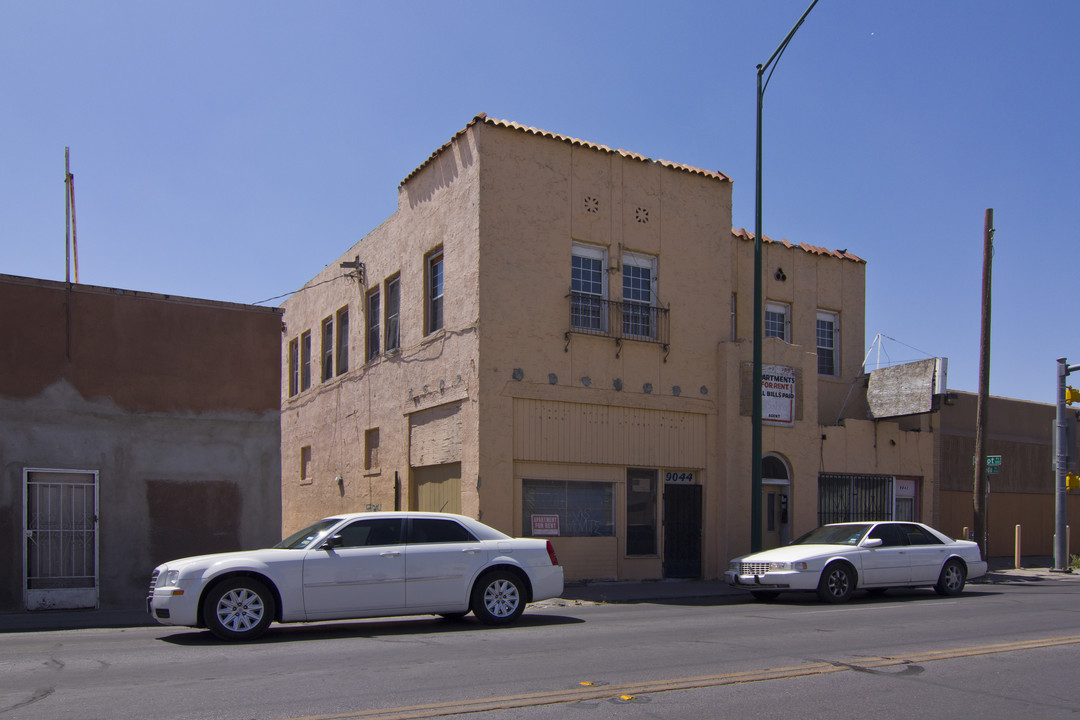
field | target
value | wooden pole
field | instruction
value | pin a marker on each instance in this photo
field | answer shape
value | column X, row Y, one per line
column 981, row 495
column 67, row 214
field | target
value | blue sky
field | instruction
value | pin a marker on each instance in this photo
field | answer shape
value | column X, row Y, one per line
column 230, row 150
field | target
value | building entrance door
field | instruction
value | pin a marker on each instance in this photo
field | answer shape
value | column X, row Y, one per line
column 775, row 497
column 682, row 530
column 437, row 488
column 59, row 539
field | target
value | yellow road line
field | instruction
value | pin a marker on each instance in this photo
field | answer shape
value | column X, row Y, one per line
column 604, row 692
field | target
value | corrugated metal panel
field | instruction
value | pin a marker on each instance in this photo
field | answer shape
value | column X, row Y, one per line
column 548, row 431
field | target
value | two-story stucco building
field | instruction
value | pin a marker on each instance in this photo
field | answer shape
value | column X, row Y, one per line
column 552, row 336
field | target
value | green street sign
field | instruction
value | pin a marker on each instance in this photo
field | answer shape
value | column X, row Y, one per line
column 993, row 461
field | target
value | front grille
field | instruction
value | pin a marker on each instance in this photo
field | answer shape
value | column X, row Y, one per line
column 153, row 582
column 758, row 568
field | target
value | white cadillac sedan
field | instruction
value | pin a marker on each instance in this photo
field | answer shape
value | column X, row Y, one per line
column 356, row 566
column 835, row 560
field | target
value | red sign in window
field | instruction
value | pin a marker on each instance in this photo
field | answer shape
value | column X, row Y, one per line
column 545, row 525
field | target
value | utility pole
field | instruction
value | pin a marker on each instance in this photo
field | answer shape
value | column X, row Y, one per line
column 981, row 495
column 1064, row 479
column 759, row 304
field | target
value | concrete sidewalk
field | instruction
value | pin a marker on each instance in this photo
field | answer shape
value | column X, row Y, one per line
column 1035, row 570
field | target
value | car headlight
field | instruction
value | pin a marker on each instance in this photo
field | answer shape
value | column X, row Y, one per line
column 735, row 566
column 787, row 566
column 171, row 578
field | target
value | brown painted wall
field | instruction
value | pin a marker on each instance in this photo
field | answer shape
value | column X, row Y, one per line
column 1033, row 512
column 171, row 403
column 146, row 352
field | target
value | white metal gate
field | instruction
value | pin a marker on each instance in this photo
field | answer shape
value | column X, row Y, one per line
column 60, row 550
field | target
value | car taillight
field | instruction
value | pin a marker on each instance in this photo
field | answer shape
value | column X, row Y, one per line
column 551, row 553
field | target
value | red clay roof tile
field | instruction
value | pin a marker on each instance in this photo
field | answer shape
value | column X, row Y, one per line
column 744, row 234
column 483, row 118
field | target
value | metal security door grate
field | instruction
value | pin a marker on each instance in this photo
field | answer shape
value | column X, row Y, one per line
column 60, row 539
column 854, row 498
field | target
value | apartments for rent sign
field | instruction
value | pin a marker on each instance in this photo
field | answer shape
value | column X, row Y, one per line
column 778, row 394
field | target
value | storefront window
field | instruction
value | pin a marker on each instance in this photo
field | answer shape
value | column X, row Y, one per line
column 561, row 508
column 641, row 502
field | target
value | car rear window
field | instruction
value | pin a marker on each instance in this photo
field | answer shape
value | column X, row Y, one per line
column 434, row 530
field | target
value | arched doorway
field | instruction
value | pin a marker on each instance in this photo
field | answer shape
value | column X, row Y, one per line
column 775, row 501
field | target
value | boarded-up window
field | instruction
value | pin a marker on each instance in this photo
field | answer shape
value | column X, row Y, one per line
column 371, row 449
column 305, row 465
column 192, row 518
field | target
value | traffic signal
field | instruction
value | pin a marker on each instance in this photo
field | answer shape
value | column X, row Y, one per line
column 1072, row 395
column 1072, row 481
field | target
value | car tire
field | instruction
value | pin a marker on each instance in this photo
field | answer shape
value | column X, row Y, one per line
column 239, row 608
column 952, row 578
column 837, row 583
column 765, row 595
column 498, row 598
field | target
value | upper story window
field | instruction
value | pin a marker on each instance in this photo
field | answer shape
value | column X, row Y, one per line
column 342, row 340
column 828, row 328
column 294, row 367
column 433, row 310
column 639, row 295
column 327, row 349
column 778, row 321
column 588, row 288
column 305, row 360
column 393, row 311
column 373, row 325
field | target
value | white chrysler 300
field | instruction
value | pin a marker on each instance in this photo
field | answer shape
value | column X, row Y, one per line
column 835, row 560
column 356, row 566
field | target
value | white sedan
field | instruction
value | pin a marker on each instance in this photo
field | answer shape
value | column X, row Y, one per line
column 356, row 566
column 835, row 560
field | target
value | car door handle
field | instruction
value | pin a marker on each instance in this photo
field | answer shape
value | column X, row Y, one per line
column 470, row 551
column 390, row 553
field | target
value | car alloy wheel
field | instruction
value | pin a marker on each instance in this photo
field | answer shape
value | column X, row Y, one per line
column 837, row 583
column 952, row 579
column 498, row 598
column 238, row 609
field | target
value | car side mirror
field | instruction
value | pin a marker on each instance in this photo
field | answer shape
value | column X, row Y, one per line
column 872, row 542
column 331, row 543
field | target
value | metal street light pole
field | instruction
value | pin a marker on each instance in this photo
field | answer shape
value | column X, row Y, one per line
column 755, row 460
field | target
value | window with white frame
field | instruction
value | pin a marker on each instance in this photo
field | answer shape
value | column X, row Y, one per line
column 305, row 360
column 373, row 325
column 828, row 330
column 294, row 367
column 778, row 321
column 327, row 349
column 393, row 311
column 588, row 287
column 342, row 340
column 434, row 295
column 639, row 295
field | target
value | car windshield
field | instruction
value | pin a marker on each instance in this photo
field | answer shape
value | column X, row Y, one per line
column 300, row 540
column 834, row 535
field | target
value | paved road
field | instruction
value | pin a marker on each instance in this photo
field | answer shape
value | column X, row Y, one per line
column 998, row 651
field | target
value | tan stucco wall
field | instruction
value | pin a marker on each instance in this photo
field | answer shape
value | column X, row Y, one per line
column 438, row 207
column 532, row 211
column 507, row 204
